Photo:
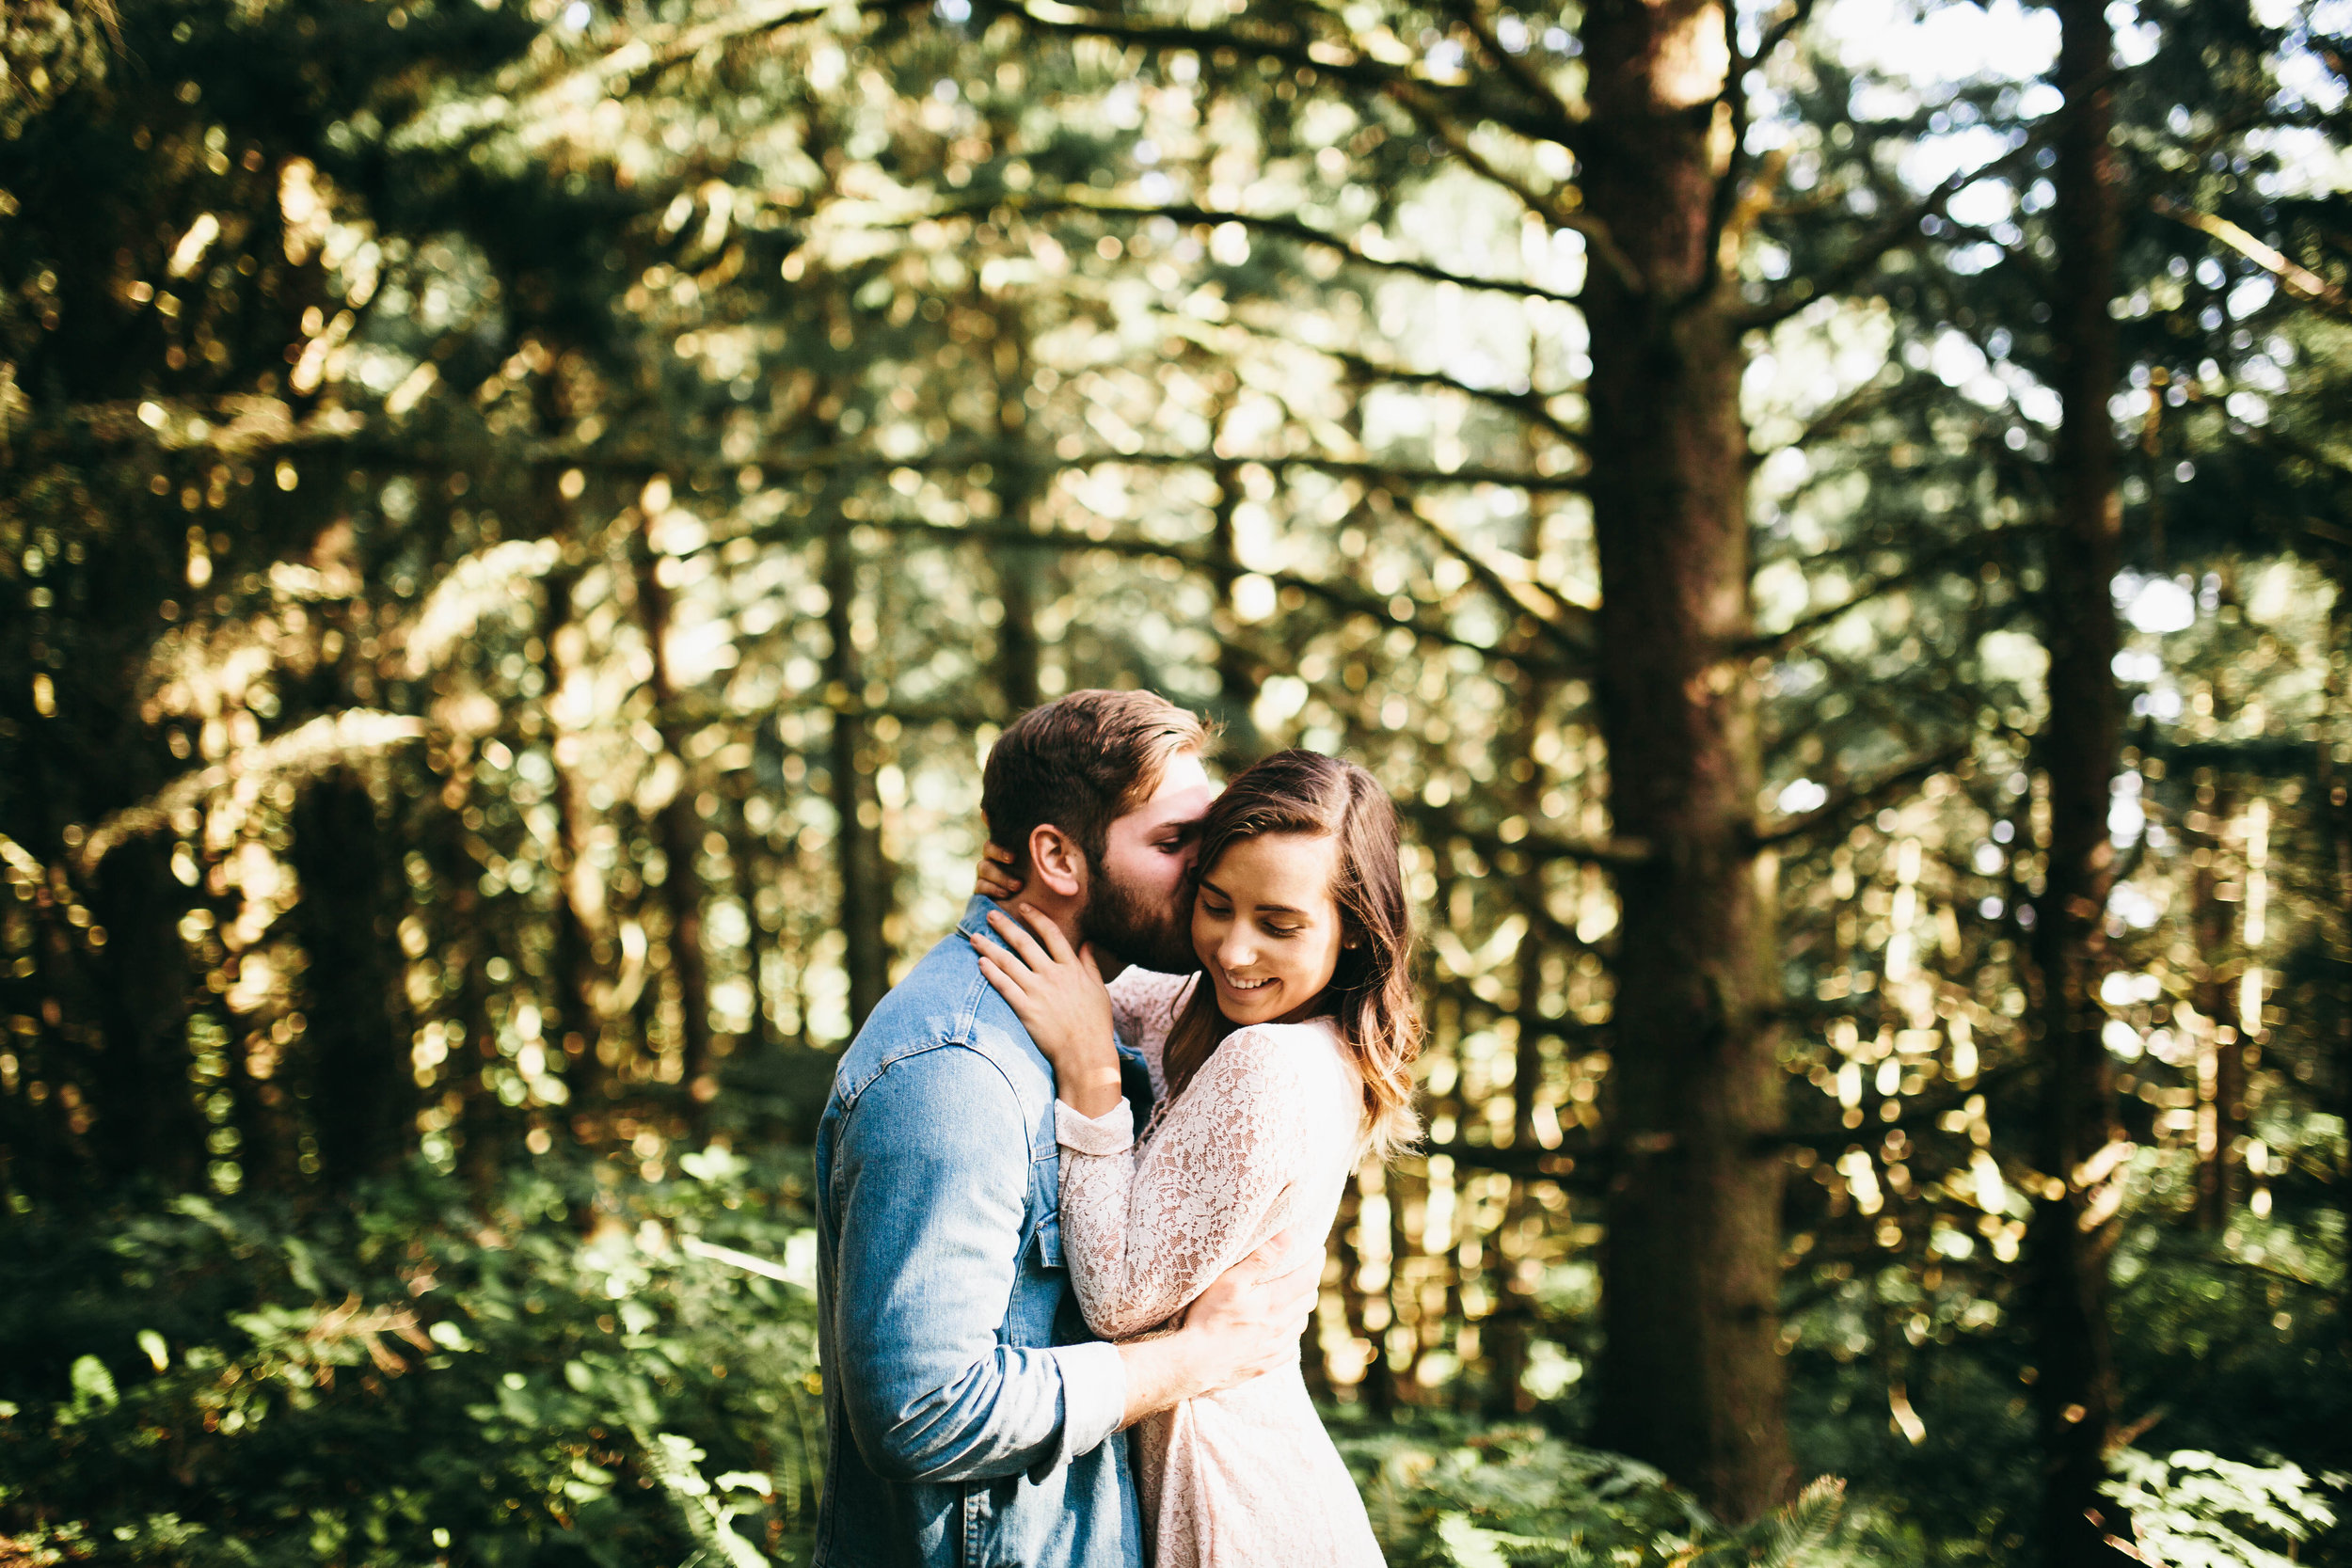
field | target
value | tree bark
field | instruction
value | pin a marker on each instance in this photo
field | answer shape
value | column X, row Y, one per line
column 678, row 831
column 148, row 1124
column 1020, row 653
column 2068, row 1239
column 1692, row 1380
column 1237, row 673
column 363, row 1101
column 2220, row 1059
column 1511, row 1328
column 865, row 876
column 579, row 894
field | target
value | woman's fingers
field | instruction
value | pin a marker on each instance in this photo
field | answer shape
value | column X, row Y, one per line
column 1005, row 976
column 1050, row 934
column 1004, row 949
column 1085, row 957
column 1018, row 939
column 996, row 852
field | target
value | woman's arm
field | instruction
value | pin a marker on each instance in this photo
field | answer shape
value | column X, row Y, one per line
column 1061, row 1001
column 1146, row 1230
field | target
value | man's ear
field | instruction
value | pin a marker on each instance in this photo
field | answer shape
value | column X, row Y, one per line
column 1056, row 859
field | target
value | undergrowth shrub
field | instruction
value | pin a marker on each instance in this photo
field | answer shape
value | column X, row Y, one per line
column 586, row 1369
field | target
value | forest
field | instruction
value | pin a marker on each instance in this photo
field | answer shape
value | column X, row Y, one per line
column 520, row 521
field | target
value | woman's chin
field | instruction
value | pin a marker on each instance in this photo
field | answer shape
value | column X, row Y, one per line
column 1248, row 1006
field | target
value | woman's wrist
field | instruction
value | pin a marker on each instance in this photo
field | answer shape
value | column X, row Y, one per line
column 1091, row 1091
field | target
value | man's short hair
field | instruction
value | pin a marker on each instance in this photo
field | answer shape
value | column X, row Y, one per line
column 1080, row 763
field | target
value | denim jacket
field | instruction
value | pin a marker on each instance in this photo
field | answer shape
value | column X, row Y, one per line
column 971, row 1419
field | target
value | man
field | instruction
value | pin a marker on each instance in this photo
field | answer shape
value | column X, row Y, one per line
column 971, row 1418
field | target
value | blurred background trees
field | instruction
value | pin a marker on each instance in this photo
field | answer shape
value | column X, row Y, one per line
column 521, row 522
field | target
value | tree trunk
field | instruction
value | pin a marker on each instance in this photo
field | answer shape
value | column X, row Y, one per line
column 1237, row 673
column 1019, row 652
column 679, row 832
column 866, row 879
column 1691, row 1381
column 363, row 1101
column 148, row 1124
column 579, row 892
column 1513, row 1326
column 2336, row 808
column 2220, row 1060
column 2072, row 1231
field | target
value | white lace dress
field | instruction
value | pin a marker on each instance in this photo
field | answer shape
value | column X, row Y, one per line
column 1262, row 1139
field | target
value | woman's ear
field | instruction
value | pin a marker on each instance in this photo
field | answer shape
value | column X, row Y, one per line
column 1060, row 863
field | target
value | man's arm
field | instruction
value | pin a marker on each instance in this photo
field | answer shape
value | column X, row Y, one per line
column 1246, row 1323
column 934, row 1174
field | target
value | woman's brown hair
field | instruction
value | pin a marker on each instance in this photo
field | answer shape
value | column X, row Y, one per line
column 1371, row 994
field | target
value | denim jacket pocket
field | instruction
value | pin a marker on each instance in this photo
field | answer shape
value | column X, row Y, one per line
column 1044, row 1250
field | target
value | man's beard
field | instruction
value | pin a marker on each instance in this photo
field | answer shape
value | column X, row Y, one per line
column 1126, row 926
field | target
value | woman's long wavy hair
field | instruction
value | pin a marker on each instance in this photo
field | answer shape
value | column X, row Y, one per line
column 1371, row 994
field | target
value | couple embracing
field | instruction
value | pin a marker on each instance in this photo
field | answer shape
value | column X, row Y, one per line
column 1052, row 1212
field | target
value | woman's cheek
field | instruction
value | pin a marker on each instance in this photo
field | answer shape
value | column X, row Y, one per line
column 1327, row 964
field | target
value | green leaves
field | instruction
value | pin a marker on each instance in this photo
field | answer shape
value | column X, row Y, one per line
column 513, row 1405
column 93, row 1388
column 1445, row 1496
column 2195, row 1510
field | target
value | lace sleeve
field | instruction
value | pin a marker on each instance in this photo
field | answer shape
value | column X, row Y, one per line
column 1146, row 1229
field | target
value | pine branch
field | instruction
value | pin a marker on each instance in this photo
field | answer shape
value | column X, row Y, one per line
column 1342, row 596
column 1600, row 242
column 1868, row 398
column 1569, row 627
column 1532, row 406
column 1619, row 854
column 1775, row 644
column 1440, row 111
column 1903, row 227
column 1342, row 60
column 1779, row 33
column 1521, row 72
column 855, row 460
column 1860, row 801
column 1075, row 200
column 1580, row 1172
column 2300, row 281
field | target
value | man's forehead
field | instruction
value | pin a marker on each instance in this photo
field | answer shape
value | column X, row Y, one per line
column 1182, row 796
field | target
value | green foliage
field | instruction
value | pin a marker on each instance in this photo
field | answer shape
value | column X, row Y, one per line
column 568, row 1374
column 1443, row 1495
column 2194, row 1509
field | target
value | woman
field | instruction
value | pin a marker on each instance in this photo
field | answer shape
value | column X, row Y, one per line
column 1273, row 1079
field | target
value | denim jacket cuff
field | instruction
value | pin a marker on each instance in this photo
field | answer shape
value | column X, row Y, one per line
column 1112, row 1132
column 1093, row 1397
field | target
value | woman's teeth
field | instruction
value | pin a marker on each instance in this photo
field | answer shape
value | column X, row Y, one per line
column 1249, row 985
